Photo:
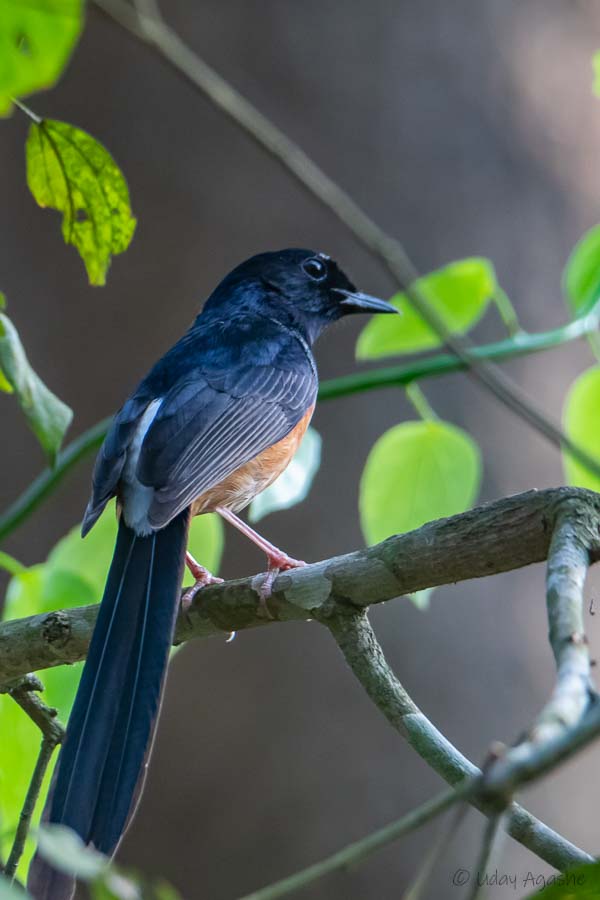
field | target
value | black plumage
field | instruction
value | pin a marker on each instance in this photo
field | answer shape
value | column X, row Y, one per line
column 240, row 380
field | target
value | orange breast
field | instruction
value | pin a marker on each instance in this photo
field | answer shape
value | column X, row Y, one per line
column 238, row 489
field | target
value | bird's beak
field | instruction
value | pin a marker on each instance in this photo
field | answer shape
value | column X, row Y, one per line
column 364, row 303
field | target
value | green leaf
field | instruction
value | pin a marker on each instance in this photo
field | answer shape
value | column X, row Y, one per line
column 113, row 885
column 165, row 891
column 416, row 472
column 596, row 68
column 581, row 275
column 88, row 559
column 581, row 416
column 582, row 883
column 5, row 385
column 294, row 483
column 36, row 41
column 205, row 541
column 47, row 416
column 65, row 850
column 71, row 172
column 460, row 292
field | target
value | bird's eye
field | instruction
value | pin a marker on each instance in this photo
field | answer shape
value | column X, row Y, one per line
column 315, row 268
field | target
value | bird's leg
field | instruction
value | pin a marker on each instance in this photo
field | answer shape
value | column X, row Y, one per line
column 277, row 560
column 202, row 577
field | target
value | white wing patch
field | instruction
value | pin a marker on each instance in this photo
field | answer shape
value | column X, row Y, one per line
column 136, row 498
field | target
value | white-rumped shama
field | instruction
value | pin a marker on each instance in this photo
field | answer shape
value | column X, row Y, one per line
column 215, row 421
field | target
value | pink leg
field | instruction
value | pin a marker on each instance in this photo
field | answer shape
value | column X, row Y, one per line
column 202, row 577
column 277, row 560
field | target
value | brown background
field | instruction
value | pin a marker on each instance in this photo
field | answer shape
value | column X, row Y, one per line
column 463, row 128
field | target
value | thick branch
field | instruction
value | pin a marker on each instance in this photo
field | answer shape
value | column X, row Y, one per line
column 496, row 537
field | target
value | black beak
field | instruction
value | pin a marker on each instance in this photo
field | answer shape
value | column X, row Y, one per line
column 355, row 302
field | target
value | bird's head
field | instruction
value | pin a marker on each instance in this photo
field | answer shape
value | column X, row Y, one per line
column 300, row 288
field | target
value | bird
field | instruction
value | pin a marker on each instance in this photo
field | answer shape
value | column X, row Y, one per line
column 213, row 423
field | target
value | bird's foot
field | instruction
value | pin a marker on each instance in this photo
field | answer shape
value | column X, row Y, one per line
column 276, row 562
column 202, row 578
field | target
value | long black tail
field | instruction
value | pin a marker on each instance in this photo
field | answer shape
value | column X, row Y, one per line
column 109, row 734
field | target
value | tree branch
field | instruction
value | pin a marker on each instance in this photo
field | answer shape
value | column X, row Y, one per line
column 484, row 857
column 555, row 728
column 382, row 686
column 362, row 652
column 497, row 537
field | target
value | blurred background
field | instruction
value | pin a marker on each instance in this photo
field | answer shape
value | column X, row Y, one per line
column 464, row 128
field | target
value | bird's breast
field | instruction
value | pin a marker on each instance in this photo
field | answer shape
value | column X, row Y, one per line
column 241, row 486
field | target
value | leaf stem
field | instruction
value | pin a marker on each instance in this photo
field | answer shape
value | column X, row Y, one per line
column 420, row 402
column 28, row 112
column 10, row 564
column 506, row 311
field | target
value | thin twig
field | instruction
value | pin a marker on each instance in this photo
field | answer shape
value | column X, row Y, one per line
column 359, row 850
column 35, row 785
column 52, row 735
column 482, row 864
column 381, row 245
column 439, row 847
column 357, row 641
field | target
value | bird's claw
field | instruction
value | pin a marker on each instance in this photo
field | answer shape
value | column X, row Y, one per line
column 277, row 563
column 203, row 579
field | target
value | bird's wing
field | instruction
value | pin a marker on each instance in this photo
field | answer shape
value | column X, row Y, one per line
column 111, row 457
column 226, row 391
column 212, row 423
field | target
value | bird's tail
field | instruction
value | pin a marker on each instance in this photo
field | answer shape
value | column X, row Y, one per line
column 102, row 761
